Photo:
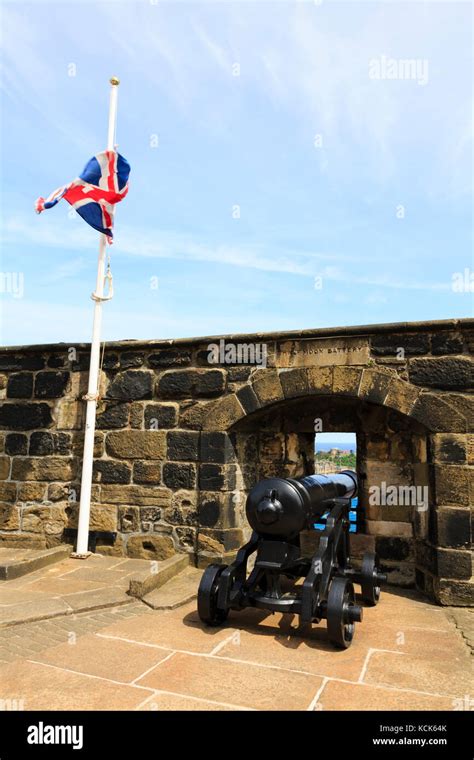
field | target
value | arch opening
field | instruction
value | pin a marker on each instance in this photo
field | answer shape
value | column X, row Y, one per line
column 392, row 463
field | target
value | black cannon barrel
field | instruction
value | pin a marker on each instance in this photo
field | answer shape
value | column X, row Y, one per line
column 283, row 507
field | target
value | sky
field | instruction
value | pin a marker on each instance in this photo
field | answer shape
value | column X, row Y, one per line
column 346, row 440
column 289, row 170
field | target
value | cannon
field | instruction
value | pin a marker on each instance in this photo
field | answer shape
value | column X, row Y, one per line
column 278, row 509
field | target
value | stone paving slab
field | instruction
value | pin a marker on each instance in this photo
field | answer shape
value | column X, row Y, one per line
column 155, row 576
column 104, row 576
column 410, row 639
column 54, row 586
column 94, row 655
column 233, row 682
column 337, row 695
column 73, row 585
column 36, row 609
column 96, row 599
column 42, row 687
column 178, row 629
column 434, row 673
column 178, row 591
column 164, row 701
column 308, row 652
column 15, row 563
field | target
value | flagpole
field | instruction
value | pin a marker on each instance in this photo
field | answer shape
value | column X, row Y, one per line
column 82, row 548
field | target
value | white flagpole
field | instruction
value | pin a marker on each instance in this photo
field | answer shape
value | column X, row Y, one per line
column 91, row 397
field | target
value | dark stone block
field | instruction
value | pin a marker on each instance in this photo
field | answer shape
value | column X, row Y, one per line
column 248, row 399
column 163, row 415
column 115, row 416
column 420, row 579
column 110, row 471
column 20, row 385
column 238, row 374
column 177, row 384
column 452, row 484
column 179, row 475
column 451, row 450
column 393, row 548
column 446, row 343
column 425, row 556
column 25, row 416
column 463, row 403
column 9, row 363
column 169, row 357
column 219, row 509
column 62, row 444
column 217, row 448
column 202, row 357
column 51, row 384
column 230, row 538
column 187, row 383
column 448, row 372
column 454, row 563
column 377, row 390
column 41, row 444
column 223, row 353
column 451, row 528
column 457, row 593
column 211, row 477
column 215, row 477
column 389, row 345
column 111, row 361
column 16, row 444
column 183, row 446
column 57, row 361
column 210, row 383
column 82, row 363
column 438, row 416
column 209, row 512
column 429, row 585
column 131, row 359
column 294, row 382
column 147, row 472
column 131, row 385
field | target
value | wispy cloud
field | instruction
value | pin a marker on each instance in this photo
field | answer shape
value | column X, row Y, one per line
column 67, row 270
column 163, row 244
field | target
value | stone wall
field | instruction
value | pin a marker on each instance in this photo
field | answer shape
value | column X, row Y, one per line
column 180, row 441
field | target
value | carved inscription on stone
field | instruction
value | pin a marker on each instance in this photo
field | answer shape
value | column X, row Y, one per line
column 323, row 353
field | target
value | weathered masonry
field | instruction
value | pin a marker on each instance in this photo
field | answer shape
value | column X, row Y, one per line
column 181, row 440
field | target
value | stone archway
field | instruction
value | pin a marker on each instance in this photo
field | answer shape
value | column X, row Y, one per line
column 407, row 436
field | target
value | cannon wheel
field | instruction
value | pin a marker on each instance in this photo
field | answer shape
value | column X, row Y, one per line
column 341, row 596
column 207, row 596
column 369, row 582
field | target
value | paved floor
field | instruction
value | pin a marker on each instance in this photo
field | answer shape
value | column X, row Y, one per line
column 407, row 654
column 68, row 586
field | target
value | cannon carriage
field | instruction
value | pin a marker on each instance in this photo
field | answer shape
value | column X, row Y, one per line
column 278, row 509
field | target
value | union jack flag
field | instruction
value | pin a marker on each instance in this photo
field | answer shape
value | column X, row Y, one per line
column 102, row 184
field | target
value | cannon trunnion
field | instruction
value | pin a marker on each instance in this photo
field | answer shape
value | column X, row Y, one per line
column 278, row 509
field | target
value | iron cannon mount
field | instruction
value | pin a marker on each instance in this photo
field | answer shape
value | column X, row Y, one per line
column 278, row 509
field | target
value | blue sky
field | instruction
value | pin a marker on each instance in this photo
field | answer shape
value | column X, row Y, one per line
column 348, row 440
column 327, row 206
